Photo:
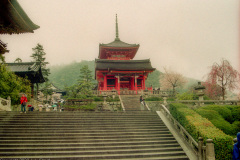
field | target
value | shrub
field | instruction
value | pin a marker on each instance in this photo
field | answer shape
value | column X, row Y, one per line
column 235, row 110
column 217, row 120
column 154, row 99
column 222, row 117
column 222, row 110
column 97, row 99
column 187, row 96
column 198, row 126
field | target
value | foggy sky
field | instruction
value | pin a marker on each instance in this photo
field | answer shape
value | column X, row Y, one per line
column 187, row 36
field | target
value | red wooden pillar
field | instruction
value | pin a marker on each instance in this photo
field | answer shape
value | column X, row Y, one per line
column 135, row 79
column 132, row 83
column 144, row 82
column 118, row 84
column 105, row 82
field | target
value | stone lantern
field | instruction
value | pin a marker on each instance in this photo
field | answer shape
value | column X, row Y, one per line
column 200, row 91
column 114, row 92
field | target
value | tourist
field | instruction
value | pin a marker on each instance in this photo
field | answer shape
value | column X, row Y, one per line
column 141, row 99
column 23, row 102
column 236, row 148
column 59, row 105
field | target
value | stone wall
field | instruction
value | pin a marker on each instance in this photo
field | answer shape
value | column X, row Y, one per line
column 154, row 105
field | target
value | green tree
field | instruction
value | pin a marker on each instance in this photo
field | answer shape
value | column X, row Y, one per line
column 47, row 90
column 83, row 87
column 18, row 60
column 39, row 56
column 12, row 85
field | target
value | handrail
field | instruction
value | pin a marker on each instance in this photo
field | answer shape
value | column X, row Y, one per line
column 181, row 129
column 208, row 101
column 121, row 103
column 203, row 152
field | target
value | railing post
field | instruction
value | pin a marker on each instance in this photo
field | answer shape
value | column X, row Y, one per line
column 210, row 154
column 200, row 151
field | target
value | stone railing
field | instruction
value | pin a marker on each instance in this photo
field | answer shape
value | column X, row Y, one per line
column 203, row 152
column 197, row 102
column 5, row 104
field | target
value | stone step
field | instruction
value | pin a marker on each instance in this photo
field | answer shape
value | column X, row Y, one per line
column 90, row 152
column 73, row 148
column 77, row 130
column 19, row 140
column 86, row 138
column 79, row 136
column 85, row 144
column 175, row 155
column 84, row 135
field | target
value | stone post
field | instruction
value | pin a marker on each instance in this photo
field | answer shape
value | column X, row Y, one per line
column 210, row 154
column 200, row 152
column 9, row 103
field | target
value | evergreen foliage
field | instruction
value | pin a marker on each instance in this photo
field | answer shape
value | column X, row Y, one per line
column 64, row 76
column 12, row 85
column 83, row 87
column 222, row 117
column 39, row 56
column 198, row 126
column 153, row 79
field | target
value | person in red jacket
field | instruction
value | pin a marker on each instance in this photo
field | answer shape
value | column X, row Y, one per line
column 23, row 101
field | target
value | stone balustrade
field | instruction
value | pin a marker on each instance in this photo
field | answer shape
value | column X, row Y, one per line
column 197, row 102
column 5, row 104
column 203, row 152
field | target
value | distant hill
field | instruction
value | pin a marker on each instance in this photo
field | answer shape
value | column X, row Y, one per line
column 67, row 75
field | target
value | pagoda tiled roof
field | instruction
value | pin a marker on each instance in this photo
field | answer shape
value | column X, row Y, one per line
column 24, row 67
column 119, row 44
column 124, row 65
column 13, row 18
column 30, row 69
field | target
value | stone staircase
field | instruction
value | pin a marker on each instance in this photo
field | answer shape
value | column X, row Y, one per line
column 87, row 135
column 132, row 103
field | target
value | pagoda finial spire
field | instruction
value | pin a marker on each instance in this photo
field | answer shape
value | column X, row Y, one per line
column 117, row 38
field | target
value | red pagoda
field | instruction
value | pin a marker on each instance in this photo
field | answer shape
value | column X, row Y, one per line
column 115, row 68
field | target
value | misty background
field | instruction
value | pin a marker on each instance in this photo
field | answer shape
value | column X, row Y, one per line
column 187, row 36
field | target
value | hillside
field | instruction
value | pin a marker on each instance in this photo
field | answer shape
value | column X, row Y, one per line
column 67, row 75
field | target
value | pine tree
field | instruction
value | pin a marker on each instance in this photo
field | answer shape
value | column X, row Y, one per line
column 39, row 56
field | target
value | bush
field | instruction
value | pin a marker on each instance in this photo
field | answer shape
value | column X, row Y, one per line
column 198, row 126
column 235, row 110
column 222, row 110
column 154, row 99
column 224, row 117
column 217, row 120
column 97, row 99
column 187, row 96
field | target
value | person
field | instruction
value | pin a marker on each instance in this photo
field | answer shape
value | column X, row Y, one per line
column 236, row 148
column 141, row 99
column 59, row 105
column 23, row 102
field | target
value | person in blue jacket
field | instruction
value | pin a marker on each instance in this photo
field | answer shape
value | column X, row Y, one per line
column 236, row 148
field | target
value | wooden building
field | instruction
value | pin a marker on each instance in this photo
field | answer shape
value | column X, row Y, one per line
column 116, row 69
column 13, row 20
column 31, row 70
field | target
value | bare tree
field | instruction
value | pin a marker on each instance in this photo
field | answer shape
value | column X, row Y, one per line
column 224, row 75
column 172, row 80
